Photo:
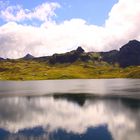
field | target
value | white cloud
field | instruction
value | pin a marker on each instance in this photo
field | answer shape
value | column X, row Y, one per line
column 16, row 40
column 43, row 12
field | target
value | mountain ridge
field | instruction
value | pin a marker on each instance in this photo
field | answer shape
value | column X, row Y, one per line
column 127, row 55
column 76, row 64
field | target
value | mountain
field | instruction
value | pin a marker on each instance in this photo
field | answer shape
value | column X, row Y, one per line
column 110, row 56
column 1, row 58
column 68, row 57
column 129, row 54
column 28, row 56
column 76, row 64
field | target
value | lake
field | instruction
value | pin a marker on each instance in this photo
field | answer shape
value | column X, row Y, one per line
column 99, row 109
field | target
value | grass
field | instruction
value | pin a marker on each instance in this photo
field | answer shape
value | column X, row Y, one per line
column 34, row 70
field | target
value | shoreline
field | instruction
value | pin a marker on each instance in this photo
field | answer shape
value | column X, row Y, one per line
column 3, row 80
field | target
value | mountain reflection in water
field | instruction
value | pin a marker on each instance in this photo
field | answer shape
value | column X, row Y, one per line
column 69, row 117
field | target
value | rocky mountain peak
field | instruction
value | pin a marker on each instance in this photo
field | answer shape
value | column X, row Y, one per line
column 129, row 54
column 134, row 42
column 1, row 58
column 80, row 49
column 131, row 45
column 28, row 56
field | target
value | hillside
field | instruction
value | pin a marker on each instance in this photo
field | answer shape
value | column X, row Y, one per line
column 75, row 64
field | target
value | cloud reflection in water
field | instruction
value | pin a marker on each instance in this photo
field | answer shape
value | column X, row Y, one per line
column 18, row 113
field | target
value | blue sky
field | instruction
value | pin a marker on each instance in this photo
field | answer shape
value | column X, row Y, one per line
column 93, row 11
column 45, row 27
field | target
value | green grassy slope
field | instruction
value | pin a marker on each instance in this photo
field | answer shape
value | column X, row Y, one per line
column 33, row 70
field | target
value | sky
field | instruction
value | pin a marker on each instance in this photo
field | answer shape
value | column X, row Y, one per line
column 45, row 27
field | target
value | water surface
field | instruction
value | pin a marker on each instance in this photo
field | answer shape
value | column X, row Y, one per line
column 70, row 110
column 127, row 87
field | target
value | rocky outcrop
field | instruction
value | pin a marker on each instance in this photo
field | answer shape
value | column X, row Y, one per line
column 28, row 56
column 79, row 50
column 1, row 58
column 68, row 57
column 129, row 54
column 110, row 56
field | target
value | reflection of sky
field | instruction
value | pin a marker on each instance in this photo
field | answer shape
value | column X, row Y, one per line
column 52, row 114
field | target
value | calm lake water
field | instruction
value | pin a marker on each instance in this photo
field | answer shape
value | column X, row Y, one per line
column 105, row 109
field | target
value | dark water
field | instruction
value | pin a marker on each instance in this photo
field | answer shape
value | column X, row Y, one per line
column 70, row 110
